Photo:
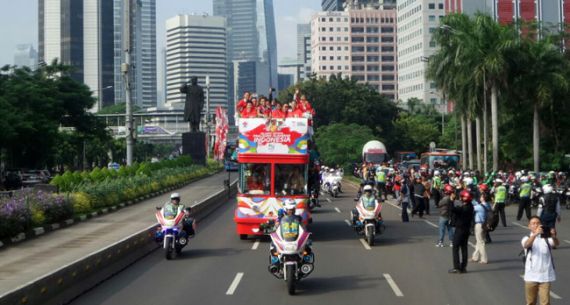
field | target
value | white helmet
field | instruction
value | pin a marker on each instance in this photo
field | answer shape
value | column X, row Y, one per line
column 468, row 181
column 289, row 204
column 436, row 173
column 331, row 170
column 498, row 181
column 174, row 196
column 524, row 179
column 367, row 188
column 466, row 174
column 547, row 189
column 518, row 175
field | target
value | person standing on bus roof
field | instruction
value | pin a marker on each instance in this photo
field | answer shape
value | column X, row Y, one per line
column 249, row 111
column 242, row 103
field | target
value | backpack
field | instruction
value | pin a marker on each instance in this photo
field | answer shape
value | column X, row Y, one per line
column 524, row 253
column 491, row 220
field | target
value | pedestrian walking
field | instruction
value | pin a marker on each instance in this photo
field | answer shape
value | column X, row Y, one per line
column 404, row 199
column 539, row 263
column 481, row 209
column 419, row 191
column 445, row 205
column 462, row 215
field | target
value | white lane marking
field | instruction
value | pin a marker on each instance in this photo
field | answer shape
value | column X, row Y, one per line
column 234, row 284
column 431, row 223
column 519, row 225
column 394, row 205
column 365, row 244
column 337, row 209
column 567, row 241
column 329, row 200
column 472, row 244
column 393, row 285
column 255, row 245
column 347, row 222
column 552, row 294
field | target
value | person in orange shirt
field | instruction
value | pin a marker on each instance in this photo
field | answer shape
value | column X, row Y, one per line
column 249, row 111
column 278, row 113
column 242, row 103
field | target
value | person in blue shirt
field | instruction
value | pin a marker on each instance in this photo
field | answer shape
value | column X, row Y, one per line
column 481, row 208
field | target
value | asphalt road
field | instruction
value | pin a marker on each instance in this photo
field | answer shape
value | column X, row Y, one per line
column 404, row 267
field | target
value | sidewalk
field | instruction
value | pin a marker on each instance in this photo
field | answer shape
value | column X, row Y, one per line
column 22, row 263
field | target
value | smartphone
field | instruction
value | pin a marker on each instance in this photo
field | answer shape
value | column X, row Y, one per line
column 545, row 232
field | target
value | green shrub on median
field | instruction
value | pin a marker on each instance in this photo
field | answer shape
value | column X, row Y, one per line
column 94, row 190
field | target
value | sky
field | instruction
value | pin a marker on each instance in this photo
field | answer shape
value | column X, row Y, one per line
column 19, row 25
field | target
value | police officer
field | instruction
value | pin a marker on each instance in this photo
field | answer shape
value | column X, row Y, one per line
column 524, row 196
column 500, row 192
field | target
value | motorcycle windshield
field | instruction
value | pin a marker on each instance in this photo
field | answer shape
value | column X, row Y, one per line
column 290, row 230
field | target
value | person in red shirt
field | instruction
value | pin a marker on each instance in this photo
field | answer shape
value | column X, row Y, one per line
column 277, row 113
column 296, row 96
column 265, row 108
column 296, row 112
column 249, row 111
column 242, row 103
column 305, row 105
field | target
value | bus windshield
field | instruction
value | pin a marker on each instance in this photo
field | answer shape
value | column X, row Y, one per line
column 255, row 179
column 375, row 157
column 290, row 179
column 444, row 161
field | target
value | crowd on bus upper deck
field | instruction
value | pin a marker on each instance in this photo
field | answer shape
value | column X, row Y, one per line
column 251, row 106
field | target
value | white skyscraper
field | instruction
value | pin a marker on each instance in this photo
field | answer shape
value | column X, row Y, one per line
column 417, row 20
column 197, row 46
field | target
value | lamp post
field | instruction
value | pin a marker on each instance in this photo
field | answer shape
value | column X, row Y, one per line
column 125, row 69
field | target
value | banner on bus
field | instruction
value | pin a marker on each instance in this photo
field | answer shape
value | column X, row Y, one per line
column 273, row 136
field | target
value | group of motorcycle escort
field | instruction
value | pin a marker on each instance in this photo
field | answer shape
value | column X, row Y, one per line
column 291, row 257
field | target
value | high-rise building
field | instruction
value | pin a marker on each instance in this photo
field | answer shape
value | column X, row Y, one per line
column 252, row 38
column 360, row 44
column 79, row 33
column 26, row 56
column 332, row 5
column 60, row 34
column 304, row 49
column 551, row 13
column 142, row 52
column 197, row 46
column 417, row 20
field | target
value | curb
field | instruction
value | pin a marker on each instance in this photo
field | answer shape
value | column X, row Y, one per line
column 70, row 281
column 33, row 233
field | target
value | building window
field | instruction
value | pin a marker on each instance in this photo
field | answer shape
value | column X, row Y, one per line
column 372, row 49
column 387, row 68
column 338, row 38
column 387, row 58
column 323, row 58
column 331, row 48
column 388, row 77
column 357, row 68
column 433, row 101
column 331, row 38
column 323, row 38
column 384, row 39
column 387, row 49
column 346, row 58
column 323, row 19
column 431, row 30
column 431, row 17
column 373, row 77
column 339, row 67
column 372, row 58
column 346, row 48
column 323, row 67
column 388, row 87
column 372, row 29
column 373, row 68
column 345, row 38
column 386, row 29
column 331, row 29
column 323, row 29
column 431, row 6
column 338, row 48
column 357, row 30
column 358, row 58
column 432, row 44
column 332, row 67
column 357, row 39
column 357, row 49
column 331, row 57
column 346, row 29
column 440, row 6
column 323, row 48
column 339, row 58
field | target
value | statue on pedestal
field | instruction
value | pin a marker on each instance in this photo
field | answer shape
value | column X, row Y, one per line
column 194, row 103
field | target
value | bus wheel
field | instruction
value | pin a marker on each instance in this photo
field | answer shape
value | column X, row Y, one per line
column 243, row 236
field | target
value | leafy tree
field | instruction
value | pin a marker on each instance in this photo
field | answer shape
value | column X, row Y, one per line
column 416, row 131
column 341, row 100
column 341, row 144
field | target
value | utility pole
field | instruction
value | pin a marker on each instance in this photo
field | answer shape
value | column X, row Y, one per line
column 208, row 116
column 125, row 69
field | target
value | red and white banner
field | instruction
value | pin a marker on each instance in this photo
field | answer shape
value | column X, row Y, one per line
column 221, row 133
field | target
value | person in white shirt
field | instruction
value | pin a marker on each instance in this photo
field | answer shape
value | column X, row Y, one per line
column 539, row 264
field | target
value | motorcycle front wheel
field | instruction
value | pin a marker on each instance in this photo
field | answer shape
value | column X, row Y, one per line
column 370, row 236
column 168, row 249
column 291, row 279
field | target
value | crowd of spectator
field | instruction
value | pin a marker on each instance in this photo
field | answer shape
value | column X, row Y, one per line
column 251, row 106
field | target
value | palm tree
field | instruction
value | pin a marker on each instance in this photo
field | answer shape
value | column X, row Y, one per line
column 542, row 73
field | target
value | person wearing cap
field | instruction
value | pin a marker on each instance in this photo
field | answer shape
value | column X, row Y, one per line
column 445, row 205
column 462, row 218
column 500, row 192
column 524, row 198
column 549, row 207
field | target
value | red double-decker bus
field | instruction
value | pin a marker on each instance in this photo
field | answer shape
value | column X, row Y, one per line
column 273, row 159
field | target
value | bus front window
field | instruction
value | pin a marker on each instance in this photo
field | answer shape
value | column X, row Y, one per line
column 290, row 179
column 255, row 179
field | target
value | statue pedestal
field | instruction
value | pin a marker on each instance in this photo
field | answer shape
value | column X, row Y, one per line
column 194, row 145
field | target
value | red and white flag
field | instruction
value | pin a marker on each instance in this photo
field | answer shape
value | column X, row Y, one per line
column 221, row 133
